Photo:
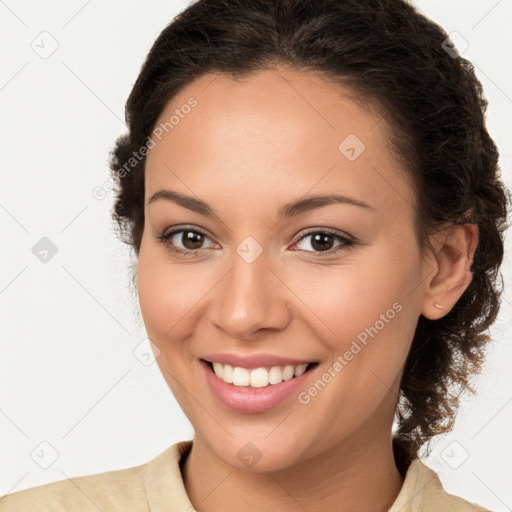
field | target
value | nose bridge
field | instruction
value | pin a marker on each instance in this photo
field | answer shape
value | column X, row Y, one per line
column 250, row 297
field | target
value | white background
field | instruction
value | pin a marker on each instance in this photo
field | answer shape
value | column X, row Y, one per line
column 69, row 376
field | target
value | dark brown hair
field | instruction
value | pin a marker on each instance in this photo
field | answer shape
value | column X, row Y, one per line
column 393, row 57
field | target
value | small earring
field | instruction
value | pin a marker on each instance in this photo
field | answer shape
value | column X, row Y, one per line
column 438, row 306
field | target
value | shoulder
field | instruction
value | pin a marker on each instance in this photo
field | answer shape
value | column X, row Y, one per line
column 121, row 490
column 422, row 491
column 113, row 490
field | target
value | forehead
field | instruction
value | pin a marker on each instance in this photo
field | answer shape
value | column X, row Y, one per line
column 274, row 131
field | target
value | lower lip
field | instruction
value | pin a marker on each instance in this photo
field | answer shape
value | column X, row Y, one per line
column 248, row 399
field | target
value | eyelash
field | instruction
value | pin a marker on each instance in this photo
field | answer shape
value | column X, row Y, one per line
column 347, row 243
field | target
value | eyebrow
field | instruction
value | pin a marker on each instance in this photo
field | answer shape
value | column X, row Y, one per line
column 291, row 209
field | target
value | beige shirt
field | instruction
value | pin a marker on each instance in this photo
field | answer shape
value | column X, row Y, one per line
column 157, row 486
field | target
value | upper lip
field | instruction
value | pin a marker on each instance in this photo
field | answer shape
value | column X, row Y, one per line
column 254, row 360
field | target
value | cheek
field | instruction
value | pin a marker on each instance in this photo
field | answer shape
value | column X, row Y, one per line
column 165, row 295
column 168, row 304
column 366, row 324
column 172, row 300
column 343, row 301
column 156, row 305
column 364, row 310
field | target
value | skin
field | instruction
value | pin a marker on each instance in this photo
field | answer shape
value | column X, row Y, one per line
column 247, row 148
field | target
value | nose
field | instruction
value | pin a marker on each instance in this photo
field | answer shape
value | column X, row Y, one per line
column 250, row 300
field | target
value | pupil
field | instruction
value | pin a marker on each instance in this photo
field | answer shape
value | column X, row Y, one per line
column 320, row 240
column 189, row 242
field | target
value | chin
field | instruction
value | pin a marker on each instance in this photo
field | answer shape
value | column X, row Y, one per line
column 258, row 454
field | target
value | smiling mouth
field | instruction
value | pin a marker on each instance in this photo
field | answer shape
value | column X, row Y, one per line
column 258, row 377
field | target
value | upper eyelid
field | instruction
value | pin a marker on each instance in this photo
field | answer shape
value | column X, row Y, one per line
column 177, row 230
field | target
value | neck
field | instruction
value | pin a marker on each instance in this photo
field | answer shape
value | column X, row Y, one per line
column 359, row 475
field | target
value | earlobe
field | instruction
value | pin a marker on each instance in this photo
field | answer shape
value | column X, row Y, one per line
column 454, row 255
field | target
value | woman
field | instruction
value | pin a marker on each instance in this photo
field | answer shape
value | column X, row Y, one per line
column 317, row 214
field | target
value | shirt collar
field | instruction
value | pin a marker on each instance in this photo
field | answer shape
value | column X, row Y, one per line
column 166, row 491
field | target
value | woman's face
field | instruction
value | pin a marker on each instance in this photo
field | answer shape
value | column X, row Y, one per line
column 269, row 285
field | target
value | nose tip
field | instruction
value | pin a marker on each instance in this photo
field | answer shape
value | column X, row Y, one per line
column 249, row 300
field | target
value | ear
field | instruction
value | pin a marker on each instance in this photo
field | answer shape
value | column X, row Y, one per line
column 448, row 278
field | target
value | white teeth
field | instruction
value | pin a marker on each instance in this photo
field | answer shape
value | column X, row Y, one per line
column 227, row 373
column 300, row 369
column 240, row 376
column 275, row 375
column 288, row 372
column 218, row 369
column 257, row 377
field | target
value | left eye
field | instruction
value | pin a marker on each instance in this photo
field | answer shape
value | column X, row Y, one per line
column 322, row 241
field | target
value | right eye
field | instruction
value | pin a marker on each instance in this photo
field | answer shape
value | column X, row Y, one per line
column 190, row 239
